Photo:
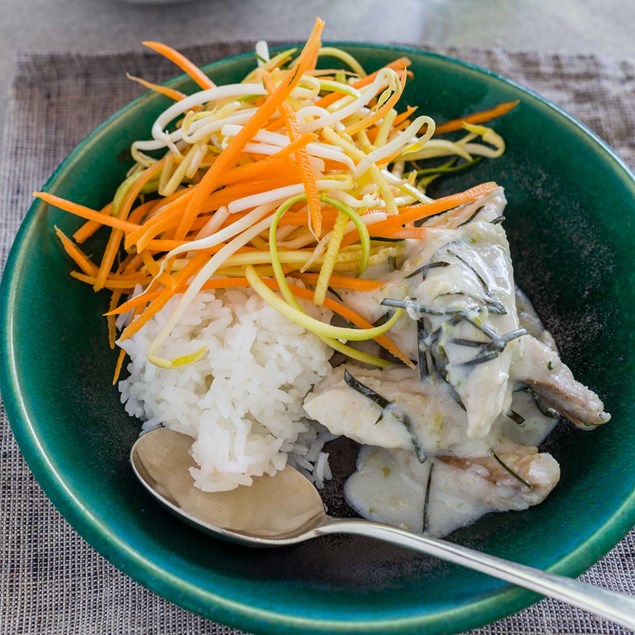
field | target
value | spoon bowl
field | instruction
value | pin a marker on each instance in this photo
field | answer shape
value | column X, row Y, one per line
column 273, row 511
column 286, row 509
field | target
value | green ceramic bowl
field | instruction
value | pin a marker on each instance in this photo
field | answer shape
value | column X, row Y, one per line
column 570, row 219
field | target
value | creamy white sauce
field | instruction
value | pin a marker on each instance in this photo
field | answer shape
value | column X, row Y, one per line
column 391, row 486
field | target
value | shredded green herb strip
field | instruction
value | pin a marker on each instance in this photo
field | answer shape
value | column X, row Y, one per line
column 426, row 176
column 382, row 319
column 387, row 407
column 338, row 296
column 369, row 393
column 380, row 239
column 480, row 359
column 448, row 167
column 415, row 306
column 426, row 499
column 422, row 348
column 476, row 212
column 516, row 418
column 460, row 341
column 423, row 270
column 509, row 469
column 479, row 277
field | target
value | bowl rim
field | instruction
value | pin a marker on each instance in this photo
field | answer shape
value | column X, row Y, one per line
column 136, row 565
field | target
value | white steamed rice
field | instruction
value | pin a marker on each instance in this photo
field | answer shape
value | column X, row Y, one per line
column 242, row 402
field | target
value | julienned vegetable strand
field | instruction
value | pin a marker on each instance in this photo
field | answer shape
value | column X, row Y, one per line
column 479, row 117
column 172, row 93
column 189, row 214
column 311, row 324
column 328, row 265
column 510, row 471
column 302, row 157
column 288, row 293
column 231, row 154
column 182, row 62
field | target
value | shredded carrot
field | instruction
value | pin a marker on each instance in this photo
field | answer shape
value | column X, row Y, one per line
column 294, row 146
column 134, row 302
column 190, row 269
column 119, row 365
column 341, row 282
column 112, row 284
column 136, row 276
column 413, row 213
column 90, row 227
column 149, row 312
column 182, row 62
column 110, row 253
column 275, row 125
column 236, row 191
column 151, row 265
column 144, row 211
column 159, row 220
column 84, row 212
column 130, row 265
column 140, row 300
column 300, row 219
column 260, row 169
column 417, row 233
column 172, row 93
column 159, row 244
column 114, row 241
column 402, row 118
column 153, row 229
column 86, row 231
column 167, row 281
column 398, row 65
column 78, row 256
column 478, row 117
column 169, row 217
column 302, row 158
column 231, row 153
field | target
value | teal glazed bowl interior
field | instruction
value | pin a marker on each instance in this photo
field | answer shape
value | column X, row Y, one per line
column 570, row 221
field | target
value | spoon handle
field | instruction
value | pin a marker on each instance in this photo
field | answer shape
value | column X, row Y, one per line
column 614, row 606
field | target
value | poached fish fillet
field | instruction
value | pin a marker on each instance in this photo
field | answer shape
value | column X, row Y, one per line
column 459, row 433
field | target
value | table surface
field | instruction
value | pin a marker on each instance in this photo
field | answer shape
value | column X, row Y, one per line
column 567, row 26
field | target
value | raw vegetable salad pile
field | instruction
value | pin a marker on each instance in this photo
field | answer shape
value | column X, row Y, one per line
column 294, row 174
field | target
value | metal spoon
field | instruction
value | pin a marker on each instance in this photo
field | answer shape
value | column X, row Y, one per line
column 286, row 509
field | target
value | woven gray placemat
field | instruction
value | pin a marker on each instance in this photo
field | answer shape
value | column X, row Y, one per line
column 51, row 581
